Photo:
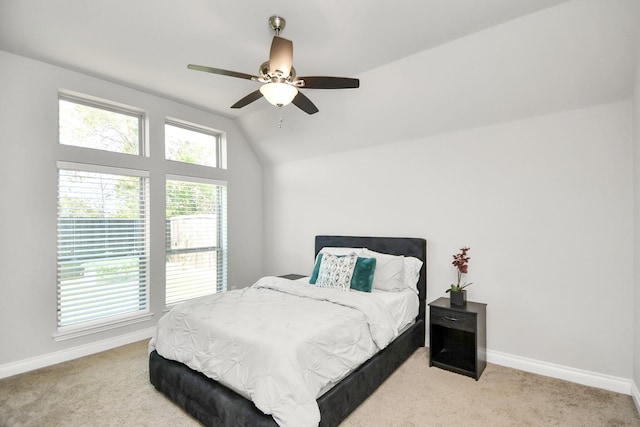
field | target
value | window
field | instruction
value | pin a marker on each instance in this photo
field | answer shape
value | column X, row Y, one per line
column 196, row 239
column 189, row 144
column 105, row 200
column 85, row 125
column 102, row 255
column 196, row 214
column 102, row 244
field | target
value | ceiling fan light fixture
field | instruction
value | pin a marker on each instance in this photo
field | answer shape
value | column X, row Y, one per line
column 278, row 94
column 280, row 86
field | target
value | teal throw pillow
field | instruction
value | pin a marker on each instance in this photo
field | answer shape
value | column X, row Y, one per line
column 362, row 278
column 316, row 269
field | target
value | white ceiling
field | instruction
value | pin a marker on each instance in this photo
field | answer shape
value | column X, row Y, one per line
column 148, row 43
column 426, row 66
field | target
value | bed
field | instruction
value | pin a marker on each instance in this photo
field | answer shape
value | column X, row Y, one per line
column 215, row 404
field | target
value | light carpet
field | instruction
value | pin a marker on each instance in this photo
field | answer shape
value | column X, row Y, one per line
column 112, row 389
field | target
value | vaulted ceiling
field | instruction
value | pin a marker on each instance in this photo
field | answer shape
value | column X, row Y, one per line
column 423, row 65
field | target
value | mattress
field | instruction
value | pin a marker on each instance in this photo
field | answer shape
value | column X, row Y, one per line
column 308, row 338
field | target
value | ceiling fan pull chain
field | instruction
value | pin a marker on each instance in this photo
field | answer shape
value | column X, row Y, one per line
column 281, row 119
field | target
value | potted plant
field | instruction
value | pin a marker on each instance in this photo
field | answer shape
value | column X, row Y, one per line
column 458, row 295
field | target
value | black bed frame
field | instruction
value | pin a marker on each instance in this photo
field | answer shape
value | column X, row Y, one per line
column 216, row 405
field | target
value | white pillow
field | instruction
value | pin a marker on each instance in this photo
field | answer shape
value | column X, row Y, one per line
column 389, row 273
column 412, row 268
column 336, row 272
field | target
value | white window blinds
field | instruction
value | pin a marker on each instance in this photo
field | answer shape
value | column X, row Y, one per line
column 102, row 243
column 196, row 238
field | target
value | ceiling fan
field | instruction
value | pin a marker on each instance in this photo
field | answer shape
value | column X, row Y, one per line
column 281, row 85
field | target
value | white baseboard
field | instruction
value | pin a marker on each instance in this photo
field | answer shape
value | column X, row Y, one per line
column 635, row 393
column 593, row 379
column 49, row 359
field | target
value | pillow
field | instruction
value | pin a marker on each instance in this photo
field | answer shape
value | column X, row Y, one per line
column 363, row 273
column 412, row 268
column 389, row 274
column 338, row 251
column 316, row 269
column 336, row 272
column 341, row 251
column 362, row 278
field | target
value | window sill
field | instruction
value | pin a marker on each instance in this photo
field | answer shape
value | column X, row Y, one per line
column 69, row 332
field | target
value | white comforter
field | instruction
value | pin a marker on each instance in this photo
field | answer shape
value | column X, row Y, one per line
column 278, row 343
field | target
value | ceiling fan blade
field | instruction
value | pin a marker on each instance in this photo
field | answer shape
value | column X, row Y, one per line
column 220, row 71
column 324, row 82
column 253, row 96
column 281, row 56
column 304, row 103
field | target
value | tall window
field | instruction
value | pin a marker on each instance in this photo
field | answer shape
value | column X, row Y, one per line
column 196, row 239
column 102, row 260
column 102, row 244
column 196, row 216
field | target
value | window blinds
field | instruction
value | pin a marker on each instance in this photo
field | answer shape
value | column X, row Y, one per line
column 196, row 238
column 102, row 244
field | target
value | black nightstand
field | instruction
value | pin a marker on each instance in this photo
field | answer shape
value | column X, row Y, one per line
column 292, row 276
column 458, row 337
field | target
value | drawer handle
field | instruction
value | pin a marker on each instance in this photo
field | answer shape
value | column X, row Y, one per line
column 452, row 319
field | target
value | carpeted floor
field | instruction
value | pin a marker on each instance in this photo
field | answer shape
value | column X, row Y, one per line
column 112, row 389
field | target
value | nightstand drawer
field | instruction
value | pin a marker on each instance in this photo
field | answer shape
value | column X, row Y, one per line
column 453, row 319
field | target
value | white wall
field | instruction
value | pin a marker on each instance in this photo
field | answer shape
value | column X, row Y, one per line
column 28, row 138
column 636, row 216
column 544, row 203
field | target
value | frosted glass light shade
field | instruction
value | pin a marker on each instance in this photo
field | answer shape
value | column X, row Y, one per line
column 279, row 94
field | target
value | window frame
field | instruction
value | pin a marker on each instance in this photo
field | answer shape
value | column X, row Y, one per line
column 152, row 161
column 95, row 160
column 218, row 135
column 113, row 107
column 221, row 234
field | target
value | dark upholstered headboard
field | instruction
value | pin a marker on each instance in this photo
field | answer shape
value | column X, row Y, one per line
column 407, row 246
